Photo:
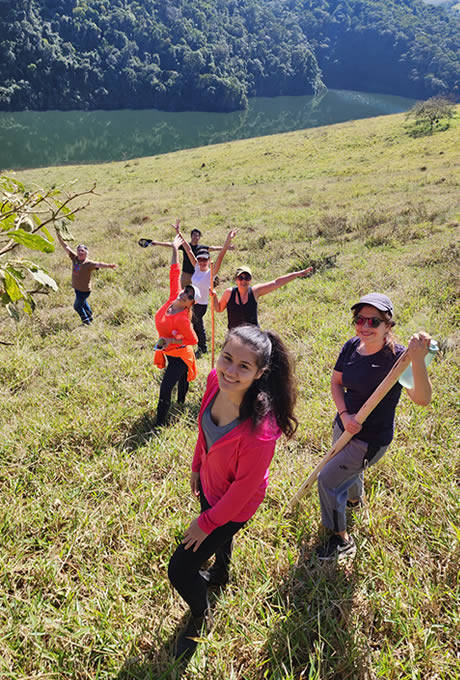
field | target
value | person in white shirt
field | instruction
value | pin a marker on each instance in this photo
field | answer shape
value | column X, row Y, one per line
column 201, row 278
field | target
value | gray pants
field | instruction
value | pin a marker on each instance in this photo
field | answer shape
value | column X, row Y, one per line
column 343, row 478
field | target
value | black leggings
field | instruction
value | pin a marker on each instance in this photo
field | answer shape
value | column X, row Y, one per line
column 198, row 326
column 184, row 565
column 175, row 373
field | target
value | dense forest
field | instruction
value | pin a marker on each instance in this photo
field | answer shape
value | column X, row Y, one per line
column 214, row 54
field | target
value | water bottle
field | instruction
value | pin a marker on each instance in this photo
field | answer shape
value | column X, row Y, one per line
column 407, row 379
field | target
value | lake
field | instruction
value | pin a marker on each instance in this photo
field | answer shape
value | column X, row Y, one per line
column 31, row 139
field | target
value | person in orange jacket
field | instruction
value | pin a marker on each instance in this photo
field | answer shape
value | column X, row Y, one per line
column 173, row 322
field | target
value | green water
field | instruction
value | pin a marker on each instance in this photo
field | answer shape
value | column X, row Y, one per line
column 30, row 139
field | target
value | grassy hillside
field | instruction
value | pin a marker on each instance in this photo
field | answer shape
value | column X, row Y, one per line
column 92, row 504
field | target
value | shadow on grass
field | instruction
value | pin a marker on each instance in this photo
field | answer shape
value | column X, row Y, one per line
column 157, row 663
column 140, row 432
column 315, row 637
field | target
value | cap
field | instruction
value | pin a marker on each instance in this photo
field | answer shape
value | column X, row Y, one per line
column 202, row 253
column 243, row 270
column 196, row 290
column 377, row 300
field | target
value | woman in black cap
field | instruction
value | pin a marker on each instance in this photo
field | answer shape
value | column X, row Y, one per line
column 363, row 363
column 241, row 300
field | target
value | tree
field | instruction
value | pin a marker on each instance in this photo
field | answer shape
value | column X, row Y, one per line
column 24, row 218
column 433, row 114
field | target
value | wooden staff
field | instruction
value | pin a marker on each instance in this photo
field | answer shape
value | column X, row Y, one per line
column 212, row 317
column 376, row 397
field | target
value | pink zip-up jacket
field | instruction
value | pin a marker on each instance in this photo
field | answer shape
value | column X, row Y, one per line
column 234, row 472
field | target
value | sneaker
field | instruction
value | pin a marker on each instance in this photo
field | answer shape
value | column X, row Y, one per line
column 336, row 548
column 214, row 577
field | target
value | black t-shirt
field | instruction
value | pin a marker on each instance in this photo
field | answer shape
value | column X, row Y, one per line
column 361, row 375
column 187, row 266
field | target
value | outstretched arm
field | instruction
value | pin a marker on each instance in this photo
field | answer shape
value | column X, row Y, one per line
column 218, row 248
column 165, row 244
column 228, row 241
column 264, row 288
column 105, row 265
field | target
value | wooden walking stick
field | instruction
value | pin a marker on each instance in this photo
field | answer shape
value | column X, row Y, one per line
column 212, row 317
column 376, row 397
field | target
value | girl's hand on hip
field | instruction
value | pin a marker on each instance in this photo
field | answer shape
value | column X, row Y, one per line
column 195, row 483
column 350, row 424
column 194, row 536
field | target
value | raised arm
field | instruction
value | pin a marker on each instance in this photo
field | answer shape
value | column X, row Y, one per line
column 64, row 245
column 188, row 250
column 264, row 288
column 228, row 241
column 178, row 241
column 420, row 393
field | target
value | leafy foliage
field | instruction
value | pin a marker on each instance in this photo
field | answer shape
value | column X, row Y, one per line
column 89, row 54
column 24, row 217
column 433, row 114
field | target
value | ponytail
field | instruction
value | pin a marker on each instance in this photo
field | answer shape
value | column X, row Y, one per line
column 276, row 390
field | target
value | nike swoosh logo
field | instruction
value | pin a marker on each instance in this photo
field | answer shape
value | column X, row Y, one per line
column 375, row 366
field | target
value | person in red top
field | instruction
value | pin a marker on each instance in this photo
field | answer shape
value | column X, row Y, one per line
column 177, row 337
column 249, row 402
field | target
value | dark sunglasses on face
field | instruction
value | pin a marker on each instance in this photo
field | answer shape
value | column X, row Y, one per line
column 202, row 259
column 372, row 321
column 243, row 277
column 189, row 296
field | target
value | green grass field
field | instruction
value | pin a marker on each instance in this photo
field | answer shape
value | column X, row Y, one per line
column 92, row 504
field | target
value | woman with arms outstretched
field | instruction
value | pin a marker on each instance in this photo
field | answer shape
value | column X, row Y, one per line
column 241, row 301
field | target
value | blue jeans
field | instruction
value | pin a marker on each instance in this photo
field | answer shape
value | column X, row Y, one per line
column 81, row 306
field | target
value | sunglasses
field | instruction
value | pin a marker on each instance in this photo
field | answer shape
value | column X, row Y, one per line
column 372, row 321
column 202, row 259
column 189, row 296
column 243, row 277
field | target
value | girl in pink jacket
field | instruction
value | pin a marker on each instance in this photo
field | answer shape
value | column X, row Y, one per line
column 249, row 402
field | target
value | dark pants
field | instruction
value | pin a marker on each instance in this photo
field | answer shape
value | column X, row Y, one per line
column 175, row 373
column 184, row 566
column 198, row 326
column 81, row 305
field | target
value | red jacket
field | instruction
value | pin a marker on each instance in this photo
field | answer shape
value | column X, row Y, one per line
column 234, row 472
column 180, row 324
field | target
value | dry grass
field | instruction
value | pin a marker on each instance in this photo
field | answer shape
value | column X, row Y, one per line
column 93, row 503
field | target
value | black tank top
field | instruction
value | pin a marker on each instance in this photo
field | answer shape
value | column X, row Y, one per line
column 238, row 313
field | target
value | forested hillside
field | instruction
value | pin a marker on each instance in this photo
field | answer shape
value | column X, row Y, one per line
column 213, row 54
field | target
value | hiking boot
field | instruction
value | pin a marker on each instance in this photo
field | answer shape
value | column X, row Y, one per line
column 197, row 628
column 336, row 548
column 214, row 577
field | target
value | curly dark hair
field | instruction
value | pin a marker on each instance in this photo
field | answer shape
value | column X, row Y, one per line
column 276, row 389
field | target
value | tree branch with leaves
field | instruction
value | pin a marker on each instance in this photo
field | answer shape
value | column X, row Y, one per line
column 24, row 219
